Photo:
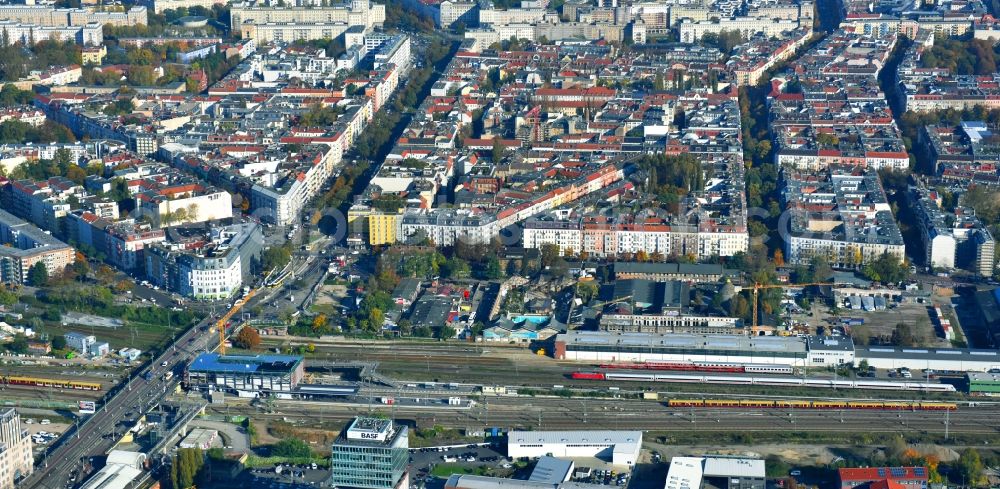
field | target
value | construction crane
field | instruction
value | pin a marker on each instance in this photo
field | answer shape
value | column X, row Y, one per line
column 612, row 301
column 757, row 286
column 221, row 324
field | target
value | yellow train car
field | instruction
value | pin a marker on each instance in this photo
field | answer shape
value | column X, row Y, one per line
column 938, row 406
column 829, row 405
column 55, row 383
column 722, row 403
column 865, row 405
column 757, row 403
column 686, row 403
column 792, row 404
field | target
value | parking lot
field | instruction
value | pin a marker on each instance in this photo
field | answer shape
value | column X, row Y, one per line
column 466, row 459
column 290, row 477
column 878, row 324
column 472, row 459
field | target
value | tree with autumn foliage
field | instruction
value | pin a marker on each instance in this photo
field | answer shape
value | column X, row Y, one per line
column 779, row 258
column 248, row 338
column 321, row 324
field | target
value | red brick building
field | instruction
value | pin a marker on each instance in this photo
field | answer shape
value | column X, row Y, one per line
column 884, row 478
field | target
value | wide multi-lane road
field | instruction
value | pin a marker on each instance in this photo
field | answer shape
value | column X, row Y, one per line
column 133, row 398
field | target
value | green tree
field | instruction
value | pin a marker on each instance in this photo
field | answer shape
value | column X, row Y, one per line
column 19, row 344
column 970, row 466
column 819, row 268
column 320, row 116
column 586, row 291
column 276, row 257
column 291, row 448
column 186, row 466
column 8, row 297
column 11, row 96
column 455, row 267
column 445, row 333
column 58, row 342
column 498, row 150
column 38, row 275
column 776, row 466
column 549, row 253
column 671, row 177
column 887, row 268
column 493, row 270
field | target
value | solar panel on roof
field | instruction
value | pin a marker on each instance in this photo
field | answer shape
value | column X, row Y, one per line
column 897, row 472
column 881, row 472
column 920, row 472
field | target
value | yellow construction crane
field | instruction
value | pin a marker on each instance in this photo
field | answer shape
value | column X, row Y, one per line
column 613, row 301
column 757, row 286
column 221, row 324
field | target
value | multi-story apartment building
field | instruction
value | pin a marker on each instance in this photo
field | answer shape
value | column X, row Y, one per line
column 28, row 246
column 91, row 34
column 760, row 53
column 44, row 202
column 454, row 12
column 210, row 271
column 951, row 240
column 500, row 17
column 272, row 23
column 16, row 458
column 693, row 31
column 841, row 214
column 602, row 236
column 62, row 17
column 159, row 6
column 126, row 242
column 670, row 323
column 183, row 203
column 965, row 153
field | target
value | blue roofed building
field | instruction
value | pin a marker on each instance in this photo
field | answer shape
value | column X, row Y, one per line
column 245, row 375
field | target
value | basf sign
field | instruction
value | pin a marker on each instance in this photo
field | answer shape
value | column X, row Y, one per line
column 367, row 435
column 370, row 429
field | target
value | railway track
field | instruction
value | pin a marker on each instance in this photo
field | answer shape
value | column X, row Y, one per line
column 573, row 417
column 583, row 413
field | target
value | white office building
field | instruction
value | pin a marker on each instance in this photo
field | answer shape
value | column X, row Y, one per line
column 617, row 447
column 716, row 472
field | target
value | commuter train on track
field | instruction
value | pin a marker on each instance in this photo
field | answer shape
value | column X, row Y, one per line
column 765, row 381
column 795, row 404
column 22, row 381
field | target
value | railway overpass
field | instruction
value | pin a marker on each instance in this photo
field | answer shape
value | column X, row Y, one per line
column 128, row 400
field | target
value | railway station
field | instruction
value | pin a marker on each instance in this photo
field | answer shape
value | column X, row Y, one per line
column 245, row 375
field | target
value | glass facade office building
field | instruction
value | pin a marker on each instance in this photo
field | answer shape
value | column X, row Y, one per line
column 371, row 453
